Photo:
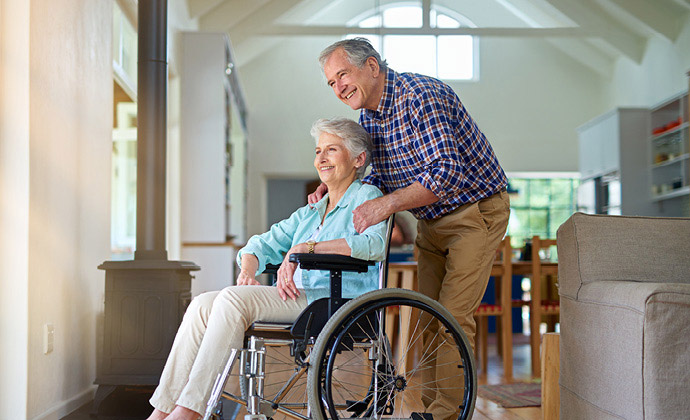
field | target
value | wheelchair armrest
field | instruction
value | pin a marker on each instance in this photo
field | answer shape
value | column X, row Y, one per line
column 271, row 269
column 331, row 262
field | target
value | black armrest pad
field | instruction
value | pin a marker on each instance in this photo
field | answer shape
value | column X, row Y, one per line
column 271, row 268
column 331, row 262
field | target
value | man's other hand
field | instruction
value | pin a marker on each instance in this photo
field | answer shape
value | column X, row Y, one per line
column 317, row 195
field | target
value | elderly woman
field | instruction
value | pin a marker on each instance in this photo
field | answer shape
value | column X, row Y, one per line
column 215, row 322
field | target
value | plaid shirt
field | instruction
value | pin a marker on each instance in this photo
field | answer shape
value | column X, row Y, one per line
column 422, row 132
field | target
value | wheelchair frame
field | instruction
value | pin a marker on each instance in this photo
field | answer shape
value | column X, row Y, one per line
column 325, row 330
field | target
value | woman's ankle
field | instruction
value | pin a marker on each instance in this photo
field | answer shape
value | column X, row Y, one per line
column 183, row 413
column 157, row 415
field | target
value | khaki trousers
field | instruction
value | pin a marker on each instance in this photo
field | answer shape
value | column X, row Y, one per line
column 456, row 252
column 214, row 324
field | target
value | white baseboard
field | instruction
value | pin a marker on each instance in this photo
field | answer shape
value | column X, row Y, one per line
column 66, row 407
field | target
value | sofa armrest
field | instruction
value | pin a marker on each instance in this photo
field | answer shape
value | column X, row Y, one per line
column 595, row 248
column 624, row 351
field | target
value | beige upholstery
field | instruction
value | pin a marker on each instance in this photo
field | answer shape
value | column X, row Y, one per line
column 625, row 317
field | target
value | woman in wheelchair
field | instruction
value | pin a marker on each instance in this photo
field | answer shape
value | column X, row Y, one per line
column 215, row 322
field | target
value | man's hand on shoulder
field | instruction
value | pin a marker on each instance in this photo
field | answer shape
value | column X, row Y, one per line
column 317, row 195
column 370, row 213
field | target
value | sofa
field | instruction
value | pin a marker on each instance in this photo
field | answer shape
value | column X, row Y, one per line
column 624, row 284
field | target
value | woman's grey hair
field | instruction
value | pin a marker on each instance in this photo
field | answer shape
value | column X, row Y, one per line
column 357, row 51
column 355, row 137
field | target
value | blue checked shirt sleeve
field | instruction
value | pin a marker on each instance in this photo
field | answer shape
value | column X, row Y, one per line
column 439, row 147
column 370, row 245
column 270, row 247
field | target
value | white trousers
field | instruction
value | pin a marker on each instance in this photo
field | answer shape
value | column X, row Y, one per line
column 214, row 324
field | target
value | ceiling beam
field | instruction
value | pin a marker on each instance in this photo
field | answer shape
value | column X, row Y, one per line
column 586, row 55
column 260, row 18
column 228, row 13
column 201, row 7
column 593, row 18
column 684, row 3
column 657, row 16
column 312, row 30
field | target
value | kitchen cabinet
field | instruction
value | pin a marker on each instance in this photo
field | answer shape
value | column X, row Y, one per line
column 613, row 161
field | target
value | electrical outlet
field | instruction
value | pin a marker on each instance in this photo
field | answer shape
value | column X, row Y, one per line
column 48, row 338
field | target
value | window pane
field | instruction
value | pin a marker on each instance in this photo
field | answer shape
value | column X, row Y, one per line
column 521, row 198
column 372, row 22
column 455, row 57
column 539, row 193
column 538, row 222
column 561, row 193
column 403, row 17
column 397, row 51
column 557, row 219
column 375, row 40
column 443, row 21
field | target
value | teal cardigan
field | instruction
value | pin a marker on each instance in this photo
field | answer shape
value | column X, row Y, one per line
column 270, row 247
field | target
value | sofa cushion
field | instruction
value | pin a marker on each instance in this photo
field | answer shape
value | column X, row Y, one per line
column 595, row 248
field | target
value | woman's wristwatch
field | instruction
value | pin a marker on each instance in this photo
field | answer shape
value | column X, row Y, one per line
column 311, row 244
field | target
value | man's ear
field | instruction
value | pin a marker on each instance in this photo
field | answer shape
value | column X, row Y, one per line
column 373, row 65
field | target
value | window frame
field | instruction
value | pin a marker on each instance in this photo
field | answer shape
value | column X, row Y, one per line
column 462, row 20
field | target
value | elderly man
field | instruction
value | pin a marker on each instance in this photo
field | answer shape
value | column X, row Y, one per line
column 431, row 158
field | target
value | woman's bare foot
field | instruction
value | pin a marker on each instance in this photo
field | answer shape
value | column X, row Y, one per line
column 183, row 413
column 157, row 415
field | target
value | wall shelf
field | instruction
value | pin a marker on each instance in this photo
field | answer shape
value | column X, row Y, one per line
column 673, row 131
column 669, row 162
column 669, row 155
column 672, row 194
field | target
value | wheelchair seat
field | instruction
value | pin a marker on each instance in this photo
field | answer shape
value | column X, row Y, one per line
column 312, row 319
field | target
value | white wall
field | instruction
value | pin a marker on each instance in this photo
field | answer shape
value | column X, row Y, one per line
column 660, row 75
column 178, row 21
column 56, row 101
column 529, row 100
column 14, row 206
column 71, row 97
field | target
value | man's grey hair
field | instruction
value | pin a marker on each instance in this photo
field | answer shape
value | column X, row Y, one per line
column 355, row 138
column 357, row 51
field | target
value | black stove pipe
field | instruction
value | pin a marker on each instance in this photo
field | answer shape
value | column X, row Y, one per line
column 151, row 129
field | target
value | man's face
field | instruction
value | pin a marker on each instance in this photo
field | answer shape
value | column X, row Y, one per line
column 356, row 87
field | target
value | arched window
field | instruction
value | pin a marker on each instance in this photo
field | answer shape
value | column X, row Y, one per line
column 451, row 57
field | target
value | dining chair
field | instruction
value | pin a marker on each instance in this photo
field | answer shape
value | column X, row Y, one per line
column 501, row 309
column 543, row 299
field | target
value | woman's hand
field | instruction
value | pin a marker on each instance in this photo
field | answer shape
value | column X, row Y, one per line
column 285, row 284
column 247, row 278
column 247, row 275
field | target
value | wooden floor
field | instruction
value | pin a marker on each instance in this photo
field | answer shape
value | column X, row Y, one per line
column 485, row 409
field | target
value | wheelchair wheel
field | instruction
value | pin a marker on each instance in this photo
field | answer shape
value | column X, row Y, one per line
column 388, row 354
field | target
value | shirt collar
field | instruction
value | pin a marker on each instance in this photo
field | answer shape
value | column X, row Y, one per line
column 386, row 103
column 349, row 195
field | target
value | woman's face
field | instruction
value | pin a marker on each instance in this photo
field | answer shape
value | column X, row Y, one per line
column 333, row 161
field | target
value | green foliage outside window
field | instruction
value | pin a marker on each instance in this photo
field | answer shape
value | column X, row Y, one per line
column 540, row 206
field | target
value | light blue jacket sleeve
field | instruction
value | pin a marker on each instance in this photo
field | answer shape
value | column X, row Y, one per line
column 270, row 247
column 370, row 245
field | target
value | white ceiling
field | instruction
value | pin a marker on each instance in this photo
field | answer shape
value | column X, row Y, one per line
column 594, row 32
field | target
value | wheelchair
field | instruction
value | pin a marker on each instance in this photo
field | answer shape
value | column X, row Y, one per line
column 388, row 354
